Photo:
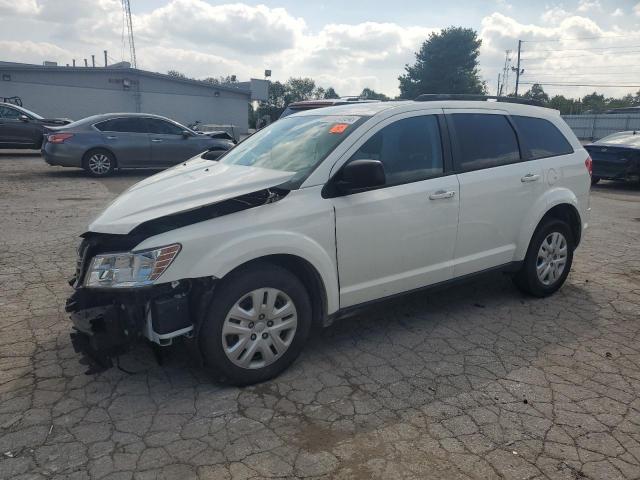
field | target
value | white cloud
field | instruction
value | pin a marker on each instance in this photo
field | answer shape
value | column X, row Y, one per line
column 617, row 13
column 555, row 54
column 636, row 9
column 34, row 52
column 585, row 6
column 19, row 7
column 554, row 15
column 244, row 40
column 238, row 27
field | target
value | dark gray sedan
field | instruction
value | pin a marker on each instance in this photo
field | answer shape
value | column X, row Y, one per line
column 102, row 143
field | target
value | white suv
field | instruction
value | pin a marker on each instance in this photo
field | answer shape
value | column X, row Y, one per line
column 323, row 212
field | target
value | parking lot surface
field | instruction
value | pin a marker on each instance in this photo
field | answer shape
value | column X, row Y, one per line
column 476, row 381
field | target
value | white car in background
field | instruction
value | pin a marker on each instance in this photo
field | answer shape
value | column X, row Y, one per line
column 323, row 212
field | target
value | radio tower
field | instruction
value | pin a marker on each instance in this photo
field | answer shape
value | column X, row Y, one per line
column 126, row 6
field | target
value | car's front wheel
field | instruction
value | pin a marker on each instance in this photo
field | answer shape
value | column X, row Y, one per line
column 548, row 259
column 99, row 163
column 257, row 324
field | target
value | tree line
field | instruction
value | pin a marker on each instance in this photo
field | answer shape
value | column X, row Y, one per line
column 591, row 103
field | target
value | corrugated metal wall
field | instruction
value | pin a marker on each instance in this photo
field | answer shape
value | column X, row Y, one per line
column 596, row 126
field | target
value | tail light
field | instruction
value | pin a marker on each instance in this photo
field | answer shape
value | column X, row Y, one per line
column 589, row 164
column 58, row 137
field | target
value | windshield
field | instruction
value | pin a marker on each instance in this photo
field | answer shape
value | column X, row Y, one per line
column 293, row 144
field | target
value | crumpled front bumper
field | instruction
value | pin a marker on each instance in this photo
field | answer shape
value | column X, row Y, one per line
column 104, row 326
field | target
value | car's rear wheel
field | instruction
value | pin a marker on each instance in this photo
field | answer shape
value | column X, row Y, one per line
column 548, row 259
column 99, row 163
column 256, row 325
column 595, row 180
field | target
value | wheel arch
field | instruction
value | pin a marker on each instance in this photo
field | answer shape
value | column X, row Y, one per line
column 305, row 272
column 561, row 204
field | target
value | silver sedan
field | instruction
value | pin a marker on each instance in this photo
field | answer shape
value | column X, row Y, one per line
column 103, row 143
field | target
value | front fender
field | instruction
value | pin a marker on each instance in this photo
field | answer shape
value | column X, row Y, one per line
column 223, row 258
column 551, row 198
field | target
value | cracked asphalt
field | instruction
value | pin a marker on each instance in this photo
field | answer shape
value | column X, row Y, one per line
column 476, row 381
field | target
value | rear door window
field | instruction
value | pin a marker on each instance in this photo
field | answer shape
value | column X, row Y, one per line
column 541, row 137
column 162, row 127
column 410, row 149
column 129, row 125
column 483, row 141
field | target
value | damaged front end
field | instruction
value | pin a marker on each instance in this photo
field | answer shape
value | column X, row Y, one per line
column 108, row 322
column 110, row 318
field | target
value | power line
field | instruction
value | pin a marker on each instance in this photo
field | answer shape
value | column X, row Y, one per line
column 549, row 57
column 581, row 49
column 581, row 85
column 581, row 38
column 633, row 74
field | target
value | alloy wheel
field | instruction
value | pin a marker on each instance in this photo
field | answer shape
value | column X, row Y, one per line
column 99, row 163
column 259, row 328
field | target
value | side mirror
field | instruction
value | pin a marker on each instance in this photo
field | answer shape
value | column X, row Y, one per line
column 186, row 134
column 360, row 175
column 23, row 118
column 212, row 154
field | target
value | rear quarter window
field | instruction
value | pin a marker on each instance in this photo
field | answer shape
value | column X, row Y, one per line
column 541, row 137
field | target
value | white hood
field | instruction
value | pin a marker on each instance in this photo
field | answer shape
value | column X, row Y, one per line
column 187, row 186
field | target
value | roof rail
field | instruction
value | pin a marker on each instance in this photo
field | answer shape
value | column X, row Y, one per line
column 434, row 97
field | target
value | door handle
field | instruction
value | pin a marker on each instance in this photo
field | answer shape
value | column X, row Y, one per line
column 442, row 194
column 530, row 177
column 156, row 140
column 111, row 137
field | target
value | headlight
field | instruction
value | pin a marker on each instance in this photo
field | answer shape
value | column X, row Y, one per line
column 130, row 269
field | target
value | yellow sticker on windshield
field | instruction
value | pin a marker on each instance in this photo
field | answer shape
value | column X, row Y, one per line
column 339, row 128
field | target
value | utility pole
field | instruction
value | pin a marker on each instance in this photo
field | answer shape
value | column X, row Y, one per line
column 93, row 60
column 105, row 58
column 518, row 67
column 498, row 88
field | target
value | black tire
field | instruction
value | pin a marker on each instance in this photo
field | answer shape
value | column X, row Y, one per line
column 527, row 278
column 107, row 159
column 595, row 180
column 232, row 289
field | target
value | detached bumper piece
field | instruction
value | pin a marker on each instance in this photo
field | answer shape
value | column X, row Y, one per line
column 106, row 325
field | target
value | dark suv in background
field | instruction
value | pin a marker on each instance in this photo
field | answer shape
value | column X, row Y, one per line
column 22, row 128
column 102, row 143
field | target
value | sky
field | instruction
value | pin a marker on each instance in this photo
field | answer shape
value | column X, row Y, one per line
column 348, row 45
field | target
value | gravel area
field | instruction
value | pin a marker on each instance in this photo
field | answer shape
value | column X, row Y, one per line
column 476, row 381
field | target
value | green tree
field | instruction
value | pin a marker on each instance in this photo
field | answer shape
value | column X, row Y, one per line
column 299, row 89
column 221, row 80
column 331, row 93
column 567, row 106
column 446, row 63
column 594, row 103
column 537, row 93
column 371, row 94
column 176, row 73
